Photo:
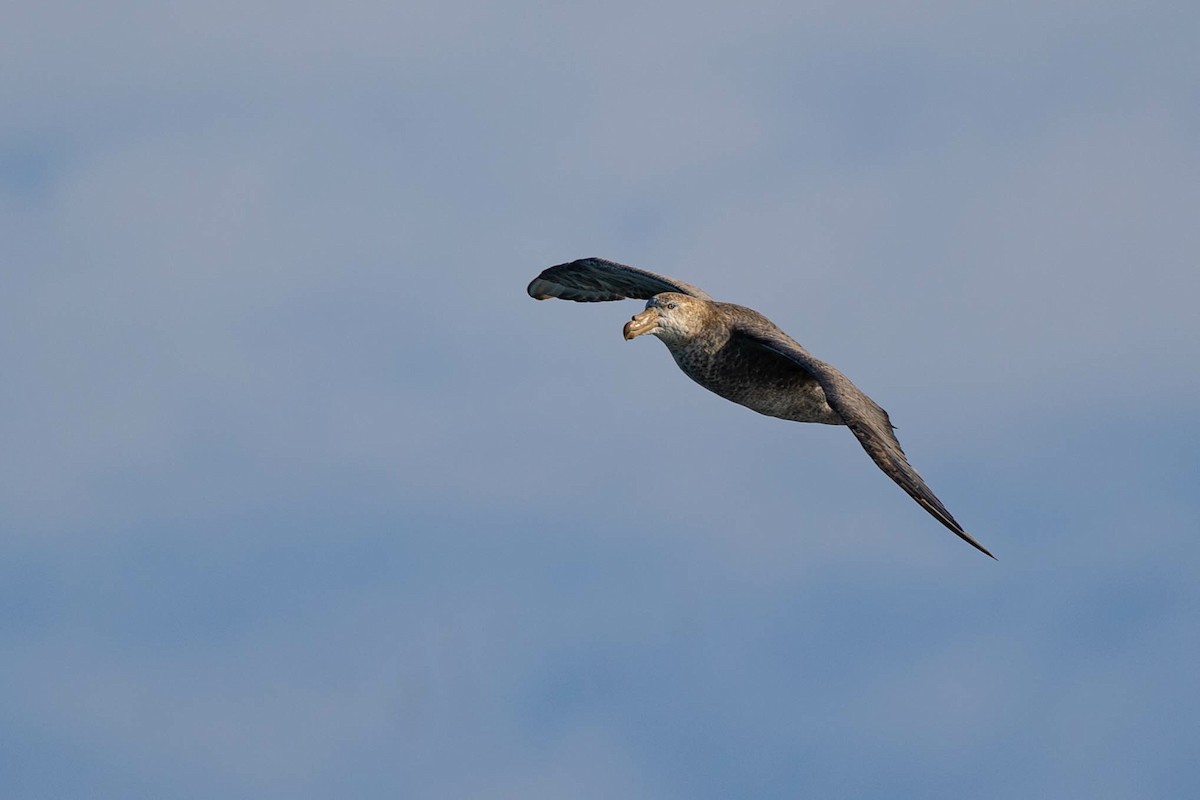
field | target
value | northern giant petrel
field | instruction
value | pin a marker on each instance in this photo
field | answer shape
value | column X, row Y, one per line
column 744, row 357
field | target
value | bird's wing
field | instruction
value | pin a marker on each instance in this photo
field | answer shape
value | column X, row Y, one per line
column 591, row 280
column 862, row 415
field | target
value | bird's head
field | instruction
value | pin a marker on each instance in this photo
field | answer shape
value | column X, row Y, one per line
column 672, row 317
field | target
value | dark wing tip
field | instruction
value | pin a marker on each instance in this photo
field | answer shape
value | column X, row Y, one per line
column 546, row 287
column 584, row 280
column 594, row 280
column 896, row 467
column 883, row 448
column 969, row 539
column 537, row 289
column 911, row 482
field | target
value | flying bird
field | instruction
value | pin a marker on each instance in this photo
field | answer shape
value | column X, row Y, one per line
column 742, row 356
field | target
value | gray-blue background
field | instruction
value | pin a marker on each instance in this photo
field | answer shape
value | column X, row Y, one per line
column 301, row 496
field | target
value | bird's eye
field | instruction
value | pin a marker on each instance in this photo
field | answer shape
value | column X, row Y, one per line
column 672, row 304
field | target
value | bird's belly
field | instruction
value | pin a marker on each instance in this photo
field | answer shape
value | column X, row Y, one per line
column 802, row 403
column 785, row 393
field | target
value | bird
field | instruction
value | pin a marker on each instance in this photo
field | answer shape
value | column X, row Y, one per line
column 742, row 356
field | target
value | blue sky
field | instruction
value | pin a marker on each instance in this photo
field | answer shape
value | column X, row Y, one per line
column 303, row 497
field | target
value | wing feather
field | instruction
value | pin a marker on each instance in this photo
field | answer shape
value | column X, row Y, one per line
column 866, row 419
column 593, row 280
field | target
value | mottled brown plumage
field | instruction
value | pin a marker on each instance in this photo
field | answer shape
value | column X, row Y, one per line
column 742, row 356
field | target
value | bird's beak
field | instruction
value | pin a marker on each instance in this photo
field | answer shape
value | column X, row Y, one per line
column 644, row 322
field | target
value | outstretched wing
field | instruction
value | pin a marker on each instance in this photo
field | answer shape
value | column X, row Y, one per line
column 862, row 415
column 591, row 280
